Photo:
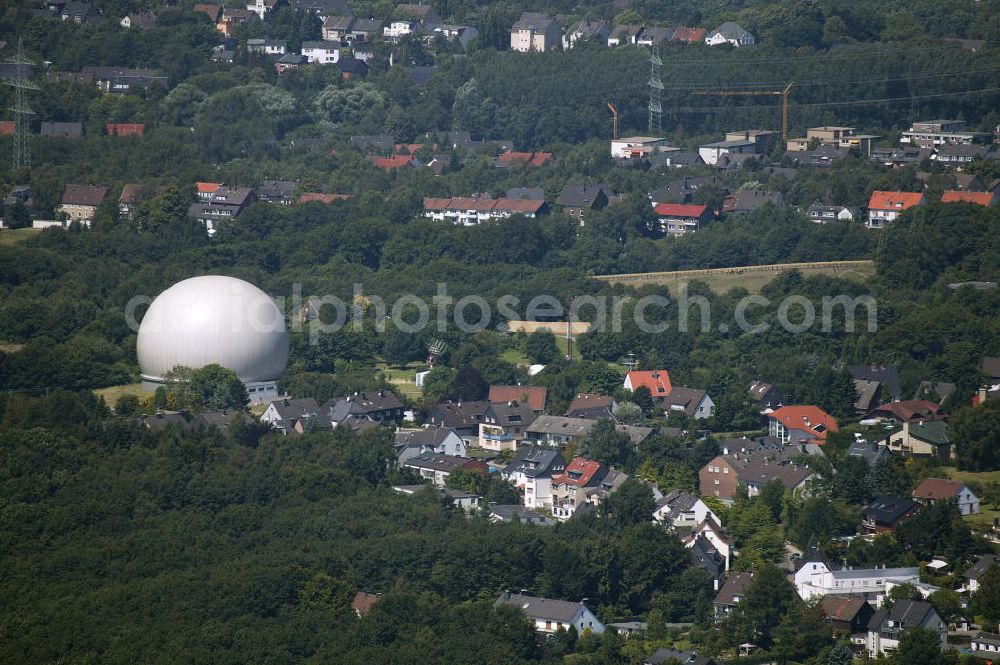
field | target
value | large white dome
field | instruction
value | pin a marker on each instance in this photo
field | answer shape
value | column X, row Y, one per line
column 213, row 319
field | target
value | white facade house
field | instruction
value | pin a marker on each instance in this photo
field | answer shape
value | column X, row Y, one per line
column 815, row 578
column 636, row 146
column 323, row 53
column 535, row 32
column 886, row 628
column 730, row 33
column 710, row 530
column 682, row 511
column 267, row 46
column 400, row 28
column 550, row 615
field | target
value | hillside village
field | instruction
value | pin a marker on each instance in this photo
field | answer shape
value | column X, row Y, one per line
column 792, row 489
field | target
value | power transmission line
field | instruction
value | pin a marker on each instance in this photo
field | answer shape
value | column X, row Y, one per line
column 821, row 82
column 20, row 83
column 816, row 57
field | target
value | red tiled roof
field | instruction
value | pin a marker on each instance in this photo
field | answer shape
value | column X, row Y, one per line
column 680, row 210
column 393, row 162
column 979, row 198
column 408, row 148
column 322, row 198
column 894, row 200
column 532, row 158
column 7, row 128
column 471, row 203
column 207, row 187
column 657, row 380
column 213, row 11
column 84, row 195
column 689, row 35
column 431, row 203
column 362, row 602
column 585, row 467
column 937, row 489
column 806, row 418
column 536, row 395
column 125, row 129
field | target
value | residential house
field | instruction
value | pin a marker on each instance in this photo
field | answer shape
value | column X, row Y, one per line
column 531, row 471
column 624, row 34
column 710, row 530
column 586, row 31
column 824, row 214
column 161, row 421
column 262, row 7
column 230, row 19
column 424, row 13
column 205, row 190
column 337, row 28
column 572, row 488
column 885, row 207
column 463, row 34
column 463, row 417
column 933, row 133
column 132, row 195
column 262, row 46
column 932, row 490
column 684, row 35
column 871, row 452
column 321, row 52
column 504, row 425
column 665, row 655
column 710, row 153
column 732, row 592
column 225, row 204
column 706, row 556
column 962, row 155
column 730, row 33
column 656, row 380
column 887, row 375
column 535, row 32
column 922, row 439
column 440, row 440
column 549, row 615
column 816, row 576
column 767, row 396
column 576, row 200
column 886, row 512
column 381, row 406
column 277, row 191
column 66, row 130
column 868, row 395
column 985, row 199
column 823, row 156
column 886, row 628
column 758, row 473
column 986, row 646
column 633, row 147
column 672, row 158
column 80, row 202
column 534, row 396
column 509, row 513
column 81, row 12
column 934, row 391
column 976, row 571
column 474, row 211
column 745, row 202
column 590, row 406
column 692, row 402
column 467, row 501
column 676, row 219
column 908, row 411
column 142, row 21
column 221, row 420
column 558, row 431
column 436, row 468
column 682, row 511
column 123, row 80
column 801, row 424
column 282, row 413
column 899, row 157
column 849, row 617
column 365, row 30
column 751, row 466
column 654, row 36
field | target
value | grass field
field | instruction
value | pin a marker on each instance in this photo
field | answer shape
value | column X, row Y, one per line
column 112, row 393
column 404, row 378
column 10, row 237
column 751, row 278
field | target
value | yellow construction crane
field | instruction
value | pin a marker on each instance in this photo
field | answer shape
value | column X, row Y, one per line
column 614, row 114
column 750, row 93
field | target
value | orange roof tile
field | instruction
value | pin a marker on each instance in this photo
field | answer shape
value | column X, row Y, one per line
column 207, row 187
column 519, row 205
column 536, row 395
column 579, row 472
column 806, row 417
column 657, row 380
column 393, row 162
column 894, row 200
column 984, row 199
column 680, row 210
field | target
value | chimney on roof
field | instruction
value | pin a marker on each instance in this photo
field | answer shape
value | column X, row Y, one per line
column 511, row 403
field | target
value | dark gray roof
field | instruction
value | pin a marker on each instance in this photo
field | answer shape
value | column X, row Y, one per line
column 161, row 421
column 910, row 613
column 420, row 75
column 535, row 607
column 982, row 564
column 276, row 189
column 368, row 25
column 686, row 398
column 752, row 199
column 322, row 7
column 561, row 425
column 579, row 196
column 290, row 409
column 731, row 30
column 887, row 375
column 220, row 419
column 65, row 129
column 510, row 413
column 507, row 513
column 991, row 367
column 760, row 472
column 436, row 461
column 530, row 193
column 870, row 452
column 887, row 509
column 939, row 390
column 459, row 415
column 536, row 461
column 430, row 436
column 533, row 21
column 678, row 500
